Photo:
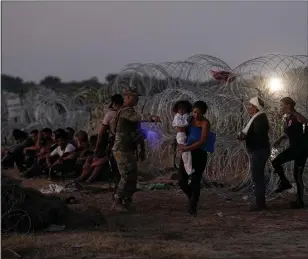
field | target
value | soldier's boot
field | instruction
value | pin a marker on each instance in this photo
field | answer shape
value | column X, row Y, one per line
column 118, row 205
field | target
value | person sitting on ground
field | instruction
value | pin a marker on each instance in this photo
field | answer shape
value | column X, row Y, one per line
column 71, row 132
column 59, row 160
column 30, row 153
column 93, row 166
column 53, row 137
column 32, row 149
column 15, row 154
column 47, row 142
column 45, row 135
column 45, row 145
column 82, row 151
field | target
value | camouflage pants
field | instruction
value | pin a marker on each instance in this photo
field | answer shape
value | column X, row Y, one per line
column 127, row 166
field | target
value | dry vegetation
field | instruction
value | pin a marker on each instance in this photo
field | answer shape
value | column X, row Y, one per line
column 161, row 228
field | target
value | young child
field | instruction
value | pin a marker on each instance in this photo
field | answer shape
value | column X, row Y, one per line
column 180, row 121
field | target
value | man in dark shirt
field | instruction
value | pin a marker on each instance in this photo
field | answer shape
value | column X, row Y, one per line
column 257, row 136
column 257, row 143
column 14, row 154
column 296, row 131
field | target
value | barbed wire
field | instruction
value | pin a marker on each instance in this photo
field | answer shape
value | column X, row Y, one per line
column 189, row 80
column 163, row 84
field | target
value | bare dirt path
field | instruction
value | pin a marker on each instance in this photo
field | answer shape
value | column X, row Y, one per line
column 161, row 228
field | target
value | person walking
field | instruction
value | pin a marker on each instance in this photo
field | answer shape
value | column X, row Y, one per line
column 295, row 127
column 256, row 137
column 197, row 135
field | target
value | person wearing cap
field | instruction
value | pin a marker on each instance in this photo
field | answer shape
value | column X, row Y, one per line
column 127, row 138
column 256, row 137
column 295, row 128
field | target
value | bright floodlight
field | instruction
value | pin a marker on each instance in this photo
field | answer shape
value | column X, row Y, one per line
column 275, row 84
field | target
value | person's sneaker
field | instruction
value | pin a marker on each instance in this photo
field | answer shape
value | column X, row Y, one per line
column 257, row 208
column 283, row 186
column 297, row 205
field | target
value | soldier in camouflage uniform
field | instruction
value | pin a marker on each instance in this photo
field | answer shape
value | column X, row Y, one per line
column 127, row 138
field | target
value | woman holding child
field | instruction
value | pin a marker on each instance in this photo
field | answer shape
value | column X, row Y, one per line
column 197, row 131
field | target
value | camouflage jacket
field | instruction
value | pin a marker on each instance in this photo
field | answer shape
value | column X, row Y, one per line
column 127, row 129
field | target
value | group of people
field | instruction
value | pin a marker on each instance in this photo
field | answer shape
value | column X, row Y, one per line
column 114, row 152
column 54, row 154
column 258, row 146
column 194, row 136
column 120, row 144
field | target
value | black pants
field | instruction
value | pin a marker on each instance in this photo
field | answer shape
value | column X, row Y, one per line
column 192, row 190
column 16, row 157
column 65, row 168
column 299, row 155
column 258, row 159
column 30, row 159
column 38, row 168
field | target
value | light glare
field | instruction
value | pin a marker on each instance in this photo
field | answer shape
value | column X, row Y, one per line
column 275, row 84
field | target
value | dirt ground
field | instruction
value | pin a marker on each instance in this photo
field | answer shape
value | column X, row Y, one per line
column 161, row 228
